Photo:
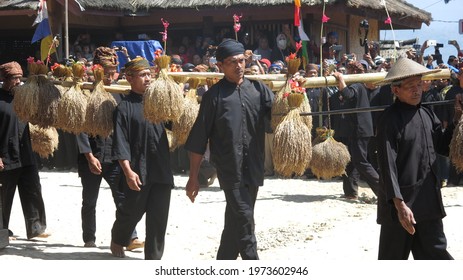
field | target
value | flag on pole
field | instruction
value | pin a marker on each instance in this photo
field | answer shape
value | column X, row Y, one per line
column 43, row 31
column 297, row 12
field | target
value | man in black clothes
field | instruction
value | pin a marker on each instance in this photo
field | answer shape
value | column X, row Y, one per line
column 142, row 150
column 232, row 120
column 95, row 162
column 360, row 126
column 18, row 166
column 410, row 208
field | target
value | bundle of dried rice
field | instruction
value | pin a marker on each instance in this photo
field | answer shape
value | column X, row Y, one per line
column 329, row 157
column 293, row 65
column 73, row 104
column 61, row 72
column 163, row 99
column 292, row 146
column 280, row 106
column 100, row 108
column 44, row 140
column 36, row 101
column 48, row 97
column 181, row 128
column 26, row 99
column 456, row 146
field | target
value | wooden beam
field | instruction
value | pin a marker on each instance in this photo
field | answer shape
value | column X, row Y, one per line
column 6, row 13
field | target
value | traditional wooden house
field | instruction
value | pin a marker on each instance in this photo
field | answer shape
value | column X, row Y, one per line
column 105, row 21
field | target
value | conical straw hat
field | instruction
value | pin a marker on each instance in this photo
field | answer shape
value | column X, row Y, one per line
column 405, row 68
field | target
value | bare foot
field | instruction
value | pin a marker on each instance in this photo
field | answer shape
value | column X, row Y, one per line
column 11, row 238
column 117, row 250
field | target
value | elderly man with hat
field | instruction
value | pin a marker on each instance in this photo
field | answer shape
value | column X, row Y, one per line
column 232, row 119
column 142, row 150
column 410, row 208
column 18, row 166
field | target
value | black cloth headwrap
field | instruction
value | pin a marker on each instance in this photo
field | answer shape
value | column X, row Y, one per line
column 228, row 48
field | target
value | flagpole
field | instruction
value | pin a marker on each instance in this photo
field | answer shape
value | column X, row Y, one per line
column 66, row 29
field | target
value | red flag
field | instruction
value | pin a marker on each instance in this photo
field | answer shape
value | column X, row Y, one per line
column 297, row 12
column 325, row 19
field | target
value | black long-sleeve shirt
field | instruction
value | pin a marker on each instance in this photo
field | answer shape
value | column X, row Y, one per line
column 408, row 139
column 231, row 118
column 141, row 142
column 356, row 96
column 15, row 142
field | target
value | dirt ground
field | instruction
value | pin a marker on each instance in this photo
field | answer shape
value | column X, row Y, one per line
column 296, row 221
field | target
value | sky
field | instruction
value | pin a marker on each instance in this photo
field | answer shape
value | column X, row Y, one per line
column 443, row 27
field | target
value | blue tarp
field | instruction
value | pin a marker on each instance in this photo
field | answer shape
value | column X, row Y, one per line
column 144, row 49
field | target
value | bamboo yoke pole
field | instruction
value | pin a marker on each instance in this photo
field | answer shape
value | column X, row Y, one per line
column 275, row 81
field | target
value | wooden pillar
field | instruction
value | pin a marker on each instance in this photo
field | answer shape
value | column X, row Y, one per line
column 56, row 18
column 4, row 240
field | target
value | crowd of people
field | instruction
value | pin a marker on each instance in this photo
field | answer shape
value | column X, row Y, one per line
column 232, row 140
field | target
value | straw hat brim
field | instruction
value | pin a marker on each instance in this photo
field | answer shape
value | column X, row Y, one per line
column 405, row 68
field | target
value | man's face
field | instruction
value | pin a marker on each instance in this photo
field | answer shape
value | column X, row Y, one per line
column 312, row 73
column 255, row 69
column 409, row 91
column 12, row 81
column 233, row 68
column 110, row 75
column 139, row 81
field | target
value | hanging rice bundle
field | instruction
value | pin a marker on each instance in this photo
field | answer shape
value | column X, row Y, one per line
column 163, row 99
column 44, row 140
column 292, row 145
column 181, row 128
column 26, row 97
column 329, row 157
column 293, row 64
column 100, row 108
column 280, row 106
column 48, row 97
column 456, row 146
column 61, row 72
column 73, row 104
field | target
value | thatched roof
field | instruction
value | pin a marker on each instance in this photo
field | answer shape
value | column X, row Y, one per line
column 397, row 8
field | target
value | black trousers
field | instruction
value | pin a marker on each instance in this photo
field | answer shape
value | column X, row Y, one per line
column 27, row 180
column 111, row 173
column 428, row 242
column 238, row 235
column 154, row 200
column 358, row 149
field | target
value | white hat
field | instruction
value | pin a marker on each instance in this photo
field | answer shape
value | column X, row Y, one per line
column 405, row 68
